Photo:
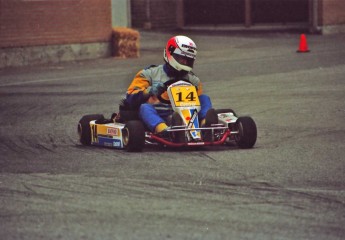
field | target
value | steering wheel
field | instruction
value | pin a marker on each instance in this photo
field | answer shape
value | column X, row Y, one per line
column 166, row 85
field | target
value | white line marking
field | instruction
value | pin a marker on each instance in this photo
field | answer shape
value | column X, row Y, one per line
column 98, row 76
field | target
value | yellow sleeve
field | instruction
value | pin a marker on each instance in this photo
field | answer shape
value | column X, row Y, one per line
column 139, row 84
column 137, row 92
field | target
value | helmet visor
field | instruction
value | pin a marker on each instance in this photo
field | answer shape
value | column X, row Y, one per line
column 184, row 60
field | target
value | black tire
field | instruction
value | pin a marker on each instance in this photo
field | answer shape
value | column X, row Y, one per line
column 225, row 110
column 178, row 136
column 247, row 132
column 210, row 119
column 133, row 135
column 84, row 129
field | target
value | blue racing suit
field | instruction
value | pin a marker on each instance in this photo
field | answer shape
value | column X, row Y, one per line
column 155, row 113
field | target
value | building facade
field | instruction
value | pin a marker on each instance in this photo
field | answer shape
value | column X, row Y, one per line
column 49, row 31
column 323, row 16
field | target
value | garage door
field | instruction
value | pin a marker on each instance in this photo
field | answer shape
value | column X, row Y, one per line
column 279, row 11
column 214, row 11
column 217, row 12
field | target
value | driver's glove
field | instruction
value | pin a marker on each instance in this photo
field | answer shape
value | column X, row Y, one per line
column 157, row 89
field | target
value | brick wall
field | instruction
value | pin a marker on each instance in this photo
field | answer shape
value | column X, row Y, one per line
column 47, row 22
column 333, row 12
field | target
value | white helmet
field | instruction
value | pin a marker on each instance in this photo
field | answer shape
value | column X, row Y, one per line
column 180, row 53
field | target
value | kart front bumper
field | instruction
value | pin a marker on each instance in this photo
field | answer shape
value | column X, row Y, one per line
column 169, row 143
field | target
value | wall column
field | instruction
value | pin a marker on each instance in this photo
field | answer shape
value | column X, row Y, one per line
column 248, row 13
column 314, row 12
column 120, row 13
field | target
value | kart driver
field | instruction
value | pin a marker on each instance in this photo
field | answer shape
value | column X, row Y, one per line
column 179, row 56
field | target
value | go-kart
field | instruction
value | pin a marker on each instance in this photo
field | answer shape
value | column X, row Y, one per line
column 124, row 130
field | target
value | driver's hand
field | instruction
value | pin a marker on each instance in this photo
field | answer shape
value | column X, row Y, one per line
column 153, row 100
column 157, row 89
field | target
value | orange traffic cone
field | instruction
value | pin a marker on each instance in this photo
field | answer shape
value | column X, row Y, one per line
column 303, row 45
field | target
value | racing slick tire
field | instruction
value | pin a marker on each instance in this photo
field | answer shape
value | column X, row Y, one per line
column 211, row 118
column 84, row 129
column 247, row 132
column 133, row 135
column 178, row 136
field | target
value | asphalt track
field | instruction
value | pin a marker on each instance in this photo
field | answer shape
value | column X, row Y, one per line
column 291, row 185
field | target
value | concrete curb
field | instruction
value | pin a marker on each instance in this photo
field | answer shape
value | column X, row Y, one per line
column 24, row 56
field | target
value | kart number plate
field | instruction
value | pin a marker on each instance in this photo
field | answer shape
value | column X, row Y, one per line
column 185, row 96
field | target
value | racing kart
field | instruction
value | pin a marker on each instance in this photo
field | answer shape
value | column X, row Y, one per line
column 124, row 130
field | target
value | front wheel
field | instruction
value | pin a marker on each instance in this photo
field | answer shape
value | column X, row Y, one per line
column 247, row 132
column 133, row 135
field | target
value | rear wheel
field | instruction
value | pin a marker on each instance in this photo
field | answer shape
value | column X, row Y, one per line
column 247, row 132
column 133, row 135
column 84, row 129
column 210, row 119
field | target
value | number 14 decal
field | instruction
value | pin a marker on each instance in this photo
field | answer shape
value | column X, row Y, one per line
column 185, row 96
column 189, row 98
